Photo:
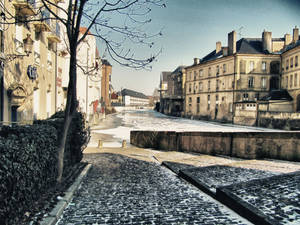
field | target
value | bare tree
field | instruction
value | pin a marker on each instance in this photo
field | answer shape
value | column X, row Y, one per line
column 116, row 23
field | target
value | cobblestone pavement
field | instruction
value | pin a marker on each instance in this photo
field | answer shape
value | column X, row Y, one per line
column 122, row 190
column 216, row 176
column 278, row 197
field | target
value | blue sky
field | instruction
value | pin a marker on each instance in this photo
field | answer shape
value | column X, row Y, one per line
column 191, row 29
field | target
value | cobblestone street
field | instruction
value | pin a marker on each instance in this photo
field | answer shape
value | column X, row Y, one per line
column 122, row 190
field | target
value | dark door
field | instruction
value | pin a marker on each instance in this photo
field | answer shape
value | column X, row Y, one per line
column 14, row 114
column 298, row 103
column 274, row 83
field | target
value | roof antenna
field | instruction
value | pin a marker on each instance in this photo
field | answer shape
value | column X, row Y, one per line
column 240, row 31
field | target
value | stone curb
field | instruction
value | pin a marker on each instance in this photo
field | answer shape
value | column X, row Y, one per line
column 57, row 211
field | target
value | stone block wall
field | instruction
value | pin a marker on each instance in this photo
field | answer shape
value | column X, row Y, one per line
column 248, row 145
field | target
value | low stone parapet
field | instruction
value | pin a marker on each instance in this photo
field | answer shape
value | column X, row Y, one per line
column 250, row 145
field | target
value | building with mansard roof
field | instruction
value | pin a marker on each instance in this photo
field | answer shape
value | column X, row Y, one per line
column 231, row 82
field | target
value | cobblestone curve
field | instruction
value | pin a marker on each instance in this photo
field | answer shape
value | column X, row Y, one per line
column 121, row 190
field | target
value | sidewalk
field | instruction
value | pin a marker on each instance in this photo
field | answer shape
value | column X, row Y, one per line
column 130, row 186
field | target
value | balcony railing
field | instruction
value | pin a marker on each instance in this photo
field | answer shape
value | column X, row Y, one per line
column 54, row 36
column 44, row 23
column 24, row 7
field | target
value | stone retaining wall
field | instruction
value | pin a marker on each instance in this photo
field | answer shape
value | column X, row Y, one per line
column 249, row 145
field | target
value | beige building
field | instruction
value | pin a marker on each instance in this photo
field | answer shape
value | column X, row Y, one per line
column 28, row 86
column 290, row 79
column 231, row 79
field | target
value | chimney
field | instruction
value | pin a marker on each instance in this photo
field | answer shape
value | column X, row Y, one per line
column 225, row 51
column 196, row 61
column 218, row 47
column 295, row 34
column 287, row 39
column 232, row 43
column 267, row 41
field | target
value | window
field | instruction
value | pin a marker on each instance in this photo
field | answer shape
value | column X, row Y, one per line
column 295, row 80
column 190, row 99
column 250, row 82
column 286, row 81
column 1, row 41
column 208, row 85
column 296, row 61
column 291, row 81
column 198, row 104
column 263, row 82
column 287, row 64
column 195, row 75
column 190, row 76
column 251, row 66
column 209, row 71
column 217, row 99
column 217, row 70
column 19, row 38
column 190, row 104
column 264, row 66
column 190, row 88
column 217, row 85
column 245, row 96
column 200, row 86
column 195, row 88
column 208, row 102
column 200, row 73
column 291, row 61
column 224, row 68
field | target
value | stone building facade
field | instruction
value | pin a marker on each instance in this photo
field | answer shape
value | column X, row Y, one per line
column 28, row 85
column 290, row 78
column 227, row 84
column 173, row 89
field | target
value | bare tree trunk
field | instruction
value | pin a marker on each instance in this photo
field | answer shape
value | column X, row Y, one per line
column 69, row 113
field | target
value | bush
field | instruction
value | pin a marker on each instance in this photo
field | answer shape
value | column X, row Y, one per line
column 28, row 156
column 27, row 169
column 77, row 138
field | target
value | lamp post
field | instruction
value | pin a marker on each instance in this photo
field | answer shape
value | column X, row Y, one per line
column 28, row 44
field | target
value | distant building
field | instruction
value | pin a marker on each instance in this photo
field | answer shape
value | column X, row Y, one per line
column 106, row 83
column 133, row 98
column 172, row 99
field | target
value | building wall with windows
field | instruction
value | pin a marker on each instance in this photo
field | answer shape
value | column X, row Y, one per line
column 232, row 76
column 209, row 88
column 290, row 79
column 29, row 83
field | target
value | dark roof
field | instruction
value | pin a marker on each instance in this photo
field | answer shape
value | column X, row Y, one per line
column 105, row 62
column 133, row 94
column 281, row 94
column 178, row 69
column 243, row 46
column 291, row 46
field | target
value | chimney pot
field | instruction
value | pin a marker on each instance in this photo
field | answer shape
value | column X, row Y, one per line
column 196, row 61
column 267, row 41
column 295, row 34
column 287, row 39
column 218, row 46
column 232, row 43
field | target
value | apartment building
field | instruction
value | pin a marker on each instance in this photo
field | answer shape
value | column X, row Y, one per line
column 231, row 79
column 173, row 89
column 134, row 98
column 28, row 63
column 290, row 78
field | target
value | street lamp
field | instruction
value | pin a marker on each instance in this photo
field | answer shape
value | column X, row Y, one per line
column 28, row 44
